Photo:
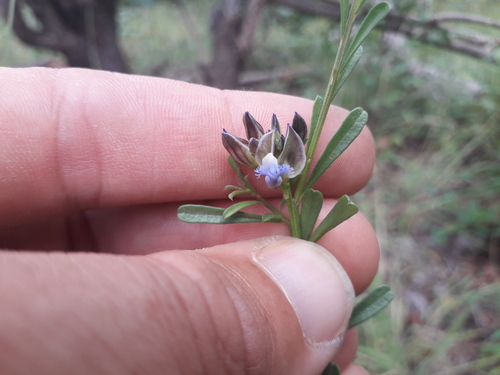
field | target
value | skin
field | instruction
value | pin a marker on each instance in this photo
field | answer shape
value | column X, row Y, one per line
column 94, row 166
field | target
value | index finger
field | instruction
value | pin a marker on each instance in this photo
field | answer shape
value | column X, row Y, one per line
column 79, row 139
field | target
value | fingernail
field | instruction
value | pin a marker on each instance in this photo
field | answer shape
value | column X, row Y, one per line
column 314, row 282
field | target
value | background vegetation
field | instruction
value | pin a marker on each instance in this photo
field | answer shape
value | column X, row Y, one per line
column 435, row 195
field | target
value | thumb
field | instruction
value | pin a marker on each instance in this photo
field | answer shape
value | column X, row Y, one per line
column 268, row 306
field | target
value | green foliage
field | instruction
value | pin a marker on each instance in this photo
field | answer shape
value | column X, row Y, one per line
column 348, row 68
column 371, row 305
column 442, row 153
column 193, row 213
column 449, row 339
column 230, row 211
column 310, row 209
column 291, row 152
column 349, row 130
column 318, row 104
column 375, row 15
column 343, row 210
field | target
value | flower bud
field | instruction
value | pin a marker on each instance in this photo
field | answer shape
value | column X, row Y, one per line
column 252, row 127
column 238, row 149
column 300, row 127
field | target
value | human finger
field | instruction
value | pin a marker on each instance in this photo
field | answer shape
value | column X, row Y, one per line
column 77, row 139
column 146, row 229
column 267, row 306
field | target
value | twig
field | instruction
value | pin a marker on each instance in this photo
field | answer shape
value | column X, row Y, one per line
column 465, row 18
column 412, row 28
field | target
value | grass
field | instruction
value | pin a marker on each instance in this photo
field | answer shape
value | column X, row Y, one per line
column 433, row 199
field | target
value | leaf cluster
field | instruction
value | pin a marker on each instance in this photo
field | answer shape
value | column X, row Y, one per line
column 305, row 203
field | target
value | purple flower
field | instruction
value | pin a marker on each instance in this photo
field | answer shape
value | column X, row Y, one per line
column 273, row 171
column 273, row 155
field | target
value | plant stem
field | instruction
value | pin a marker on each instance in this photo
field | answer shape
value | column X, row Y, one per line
column 292, row 209
column 273, row 209
column 268, row 205
column 328, row 99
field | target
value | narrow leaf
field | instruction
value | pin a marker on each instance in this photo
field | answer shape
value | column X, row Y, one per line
column 311, row 206
column 230, row 211
column 271, row 218
column 235, row 167
column 331, row 369
column 193, row 213
column 374, row 16
column 347, row 69
column 344, row 13
column 376, row 301
column 348, row 131
column 342, row 211
column 358, row 4
column 282, row 204
column 238, row 192
column 318, row 103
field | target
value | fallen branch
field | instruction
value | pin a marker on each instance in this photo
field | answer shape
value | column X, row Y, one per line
column 464, row 18
column 430, row 31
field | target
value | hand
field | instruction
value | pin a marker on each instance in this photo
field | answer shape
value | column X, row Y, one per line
column 93, row 166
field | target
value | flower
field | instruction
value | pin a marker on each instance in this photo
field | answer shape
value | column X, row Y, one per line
column 275, row 156
column 273, row 171
column 242, row 150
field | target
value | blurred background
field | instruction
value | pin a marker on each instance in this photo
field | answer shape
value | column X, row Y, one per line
column 430, row 81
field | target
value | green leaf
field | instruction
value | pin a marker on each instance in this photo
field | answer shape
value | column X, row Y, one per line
column 193, row 213
column 331, row 369
column 374, row 16
column 347, row 69
column 342, row 211
column 358, row 4
column 230, row 211
column 235, row 167
column 376, row 301
column 271, row 218
column 318, row 104
column 344, row 13
column 282, row 204
column 348, row 131
column 238, row 192
column 310, row 208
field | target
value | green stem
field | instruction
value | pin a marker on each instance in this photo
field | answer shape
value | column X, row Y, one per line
column 268, row 205
column 328, row 99
column 292, row 209
column 273, row 209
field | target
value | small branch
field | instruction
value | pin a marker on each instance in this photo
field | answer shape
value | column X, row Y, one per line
column 464, row 18
column 412, row 28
